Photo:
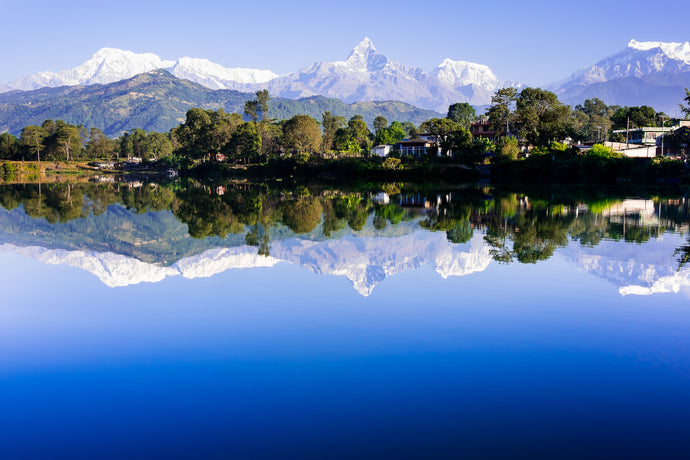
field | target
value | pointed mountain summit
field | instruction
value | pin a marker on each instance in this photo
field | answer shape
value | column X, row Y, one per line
column 368, row 75
column 365, row 57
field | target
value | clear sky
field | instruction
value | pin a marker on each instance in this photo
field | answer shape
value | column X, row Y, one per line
column 537, row 42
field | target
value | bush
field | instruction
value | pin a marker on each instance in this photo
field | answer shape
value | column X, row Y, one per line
column 392, row 164
column 601, row 151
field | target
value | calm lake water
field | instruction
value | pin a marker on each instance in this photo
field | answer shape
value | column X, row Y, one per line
column 233, row 321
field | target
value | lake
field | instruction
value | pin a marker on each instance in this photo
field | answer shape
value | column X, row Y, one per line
column 195, row 320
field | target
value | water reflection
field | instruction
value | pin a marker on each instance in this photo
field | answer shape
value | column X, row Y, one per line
column 146, row 232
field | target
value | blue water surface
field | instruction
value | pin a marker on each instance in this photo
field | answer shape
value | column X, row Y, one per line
column 516, row 361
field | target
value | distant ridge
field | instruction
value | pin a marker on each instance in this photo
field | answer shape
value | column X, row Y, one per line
column 158, row 101
column 644, row 73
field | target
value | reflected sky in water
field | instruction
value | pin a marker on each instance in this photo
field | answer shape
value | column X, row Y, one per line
column 440, row 351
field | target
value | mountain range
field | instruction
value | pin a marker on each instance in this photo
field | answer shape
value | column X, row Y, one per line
column 368, row 261
column 644, row 73
column 153, row 93
column 366, row 75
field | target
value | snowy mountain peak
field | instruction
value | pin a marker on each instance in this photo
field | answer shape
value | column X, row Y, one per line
column 365, row 57
column 676, row 51
column 109, row 65
column 642, row 73
column 215, row 76
column 365, row 46
column 462, row 73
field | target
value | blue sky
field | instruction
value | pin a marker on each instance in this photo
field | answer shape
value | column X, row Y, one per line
column 532, row 41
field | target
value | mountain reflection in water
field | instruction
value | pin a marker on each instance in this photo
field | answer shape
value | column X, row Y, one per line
column 127, row 234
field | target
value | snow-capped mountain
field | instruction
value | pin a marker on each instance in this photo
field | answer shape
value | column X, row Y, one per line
column 105, row 66
column 364, row 261
column 215, row 76
column 110, row 65
column 635, row 269
column 651, row 73
column 368, row 261
column 366, row 75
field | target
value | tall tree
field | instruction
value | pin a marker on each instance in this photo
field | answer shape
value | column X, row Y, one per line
column 541, row 117
column 592, row 120
column 302, row 134
column 262, row 98
column 686, row 108
column 637, row 116
column 33, row 139
column 329, row 125
column 98, row 145
column 251, row 109
column 245, row 144
column 500, row 113
column 445, row 131
column 9, row 147
column 68, row 139
column 359, row 131
column 380, row 123
column 462, row 113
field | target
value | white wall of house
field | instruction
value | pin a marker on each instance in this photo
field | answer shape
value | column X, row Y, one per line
column 381, row 150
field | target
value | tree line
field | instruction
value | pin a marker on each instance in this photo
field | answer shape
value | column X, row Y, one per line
column 521, row 119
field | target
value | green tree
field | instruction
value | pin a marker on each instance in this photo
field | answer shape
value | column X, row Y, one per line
column 262, row 98
column 541, row 117
column 158, row 146
column 139, row 141
column 462, row 113
column 125, row 147
column 638, row 117
column 500, row 112
column 390, row 135
column 245, row 144
column 342, row 139
column 99, row 146
column 380, row 123
column 251, row 109
column 359, row 131
column 9, row 147
column 330, row 124
column 302, row 134
column 686, row 108
column 592, row 120
column 445, row 131
column 33, row 139
column 193, row 134
column 68, row 139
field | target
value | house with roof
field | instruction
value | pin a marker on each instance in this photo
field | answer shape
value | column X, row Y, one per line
column 417, row 147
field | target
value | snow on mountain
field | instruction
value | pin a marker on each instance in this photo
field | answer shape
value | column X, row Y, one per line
column 636, row 269
column 366, row 75
column 368, row 261
column 365, row 261
column 215, row 76
column 110, row 65
column 463, row 73
column 112, row 269
column 107, row 65
column 651, row 73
